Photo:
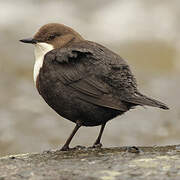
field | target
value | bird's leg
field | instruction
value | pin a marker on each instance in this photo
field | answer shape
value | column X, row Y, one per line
column 98, row 140
column 66, row 145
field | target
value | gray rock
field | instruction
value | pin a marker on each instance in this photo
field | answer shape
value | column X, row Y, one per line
column 91, row 164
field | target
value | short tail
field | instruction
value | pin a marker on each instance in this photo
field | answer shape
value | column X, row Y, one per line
column 141, row 99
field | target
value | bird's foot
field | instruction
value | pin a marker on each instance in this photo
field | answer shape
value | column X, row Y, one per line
column 133, row 149
column 98, row 145
column 65, row 148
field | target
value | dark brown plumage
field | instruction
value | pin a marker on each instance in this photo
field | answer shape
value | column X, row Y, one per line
column 85, row 82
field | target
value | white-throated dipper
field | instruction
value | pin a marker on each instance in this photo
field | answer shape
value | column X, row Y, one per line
column 83, row 81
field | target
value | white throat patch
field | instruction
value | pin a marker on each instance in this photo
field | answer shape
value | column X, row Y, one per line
column 40, row 50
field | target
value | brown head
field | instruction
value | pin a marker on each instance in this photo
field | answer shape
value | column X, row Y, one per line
column 50, row 36
column 57, row 35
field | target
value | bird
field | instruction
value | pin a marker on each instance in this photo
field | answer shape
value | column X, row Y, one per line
column 83, row 81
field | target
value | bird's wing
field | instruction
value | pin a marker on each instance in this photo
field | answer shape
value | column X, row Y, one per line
column 96, row 73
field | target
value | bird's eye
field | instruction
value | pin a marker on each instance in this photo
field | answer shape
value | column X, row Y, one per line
column 52, row 37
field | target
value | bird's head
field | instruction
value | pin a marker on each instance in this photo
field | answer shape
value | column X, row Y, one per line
column 52, row 36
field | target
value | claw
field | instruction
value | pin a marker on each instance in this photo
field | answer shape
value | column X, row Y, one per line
column 99, row 145
column 65, row 148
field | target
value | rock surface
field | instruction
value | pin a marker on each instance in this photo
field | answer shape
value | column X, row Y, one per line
column 91, row 164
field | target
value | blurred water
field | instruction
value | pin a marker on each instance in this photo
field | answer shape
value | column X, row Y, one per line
column 143, row 32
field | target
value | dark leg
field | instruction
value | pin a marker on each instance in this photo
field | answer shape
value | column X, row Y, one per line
column 66, row 145
column 98, row 140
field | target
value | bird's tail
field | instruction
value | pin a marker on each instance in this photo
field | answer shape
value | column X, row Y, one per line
column 141, row 99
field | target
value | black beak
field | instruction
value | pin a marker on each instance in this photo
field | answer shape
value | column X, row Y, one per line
column 29, row 40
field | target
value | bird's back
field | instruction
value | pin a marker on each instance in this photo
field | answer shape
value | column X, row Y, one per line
column 87, row 81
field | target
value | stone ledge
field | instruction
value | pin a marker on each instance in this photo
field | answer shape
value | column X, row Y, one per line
column 92, row 164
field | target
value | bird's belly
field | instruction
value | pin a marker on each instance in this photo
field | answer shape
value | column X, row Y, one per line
column 66, row 102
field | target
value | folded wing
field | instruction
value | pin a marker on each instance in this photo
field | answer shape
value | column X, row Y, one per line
column 100, row 76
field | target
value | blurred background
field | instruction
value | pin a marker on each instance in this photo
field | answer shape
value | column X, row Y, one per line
column 145, row 33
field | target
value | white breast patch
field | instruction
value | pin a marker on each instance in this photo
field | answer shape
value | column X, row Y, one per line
column 40, row 50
